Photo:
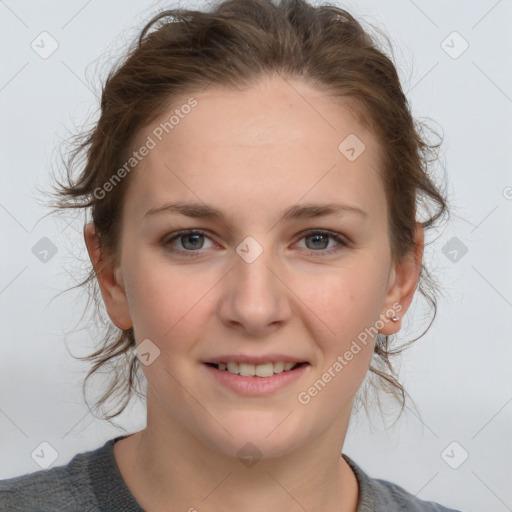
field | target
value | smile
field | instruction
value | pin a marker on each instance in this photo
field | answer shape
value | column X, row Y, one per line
column 256, row 370
column 256, row 379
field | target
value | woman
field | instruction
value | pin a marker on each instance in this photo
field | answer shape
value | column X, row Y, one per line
column 254, row 182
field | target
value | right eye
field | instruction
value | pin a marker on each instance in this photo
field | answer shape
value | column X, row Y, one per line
column 190, row 239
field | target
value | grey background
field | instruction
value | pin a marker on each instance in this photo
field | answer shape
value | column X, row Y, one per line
column 458, row 374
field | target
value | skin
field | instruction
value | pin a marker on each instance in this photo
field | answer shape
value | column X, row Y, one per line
column 252, row 153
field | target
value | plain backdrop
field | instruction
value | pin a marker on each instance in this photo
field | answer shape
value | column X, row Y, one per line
column 454, row 63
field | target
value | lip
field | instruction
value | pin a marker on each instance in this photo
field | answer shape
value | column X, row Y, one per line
column 259, row 359
column 256, row 386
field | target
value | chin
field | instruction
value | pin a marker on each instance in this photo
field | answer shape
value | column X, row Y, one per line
column 260, row 437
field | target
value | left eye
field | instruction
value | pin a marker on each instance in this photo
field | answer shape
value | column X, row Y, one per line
column 192, row 241
column 320, row 237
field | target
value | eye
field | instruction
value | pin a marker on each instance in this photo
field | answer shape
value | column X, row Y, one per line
column 192, row 241
column 320, row 240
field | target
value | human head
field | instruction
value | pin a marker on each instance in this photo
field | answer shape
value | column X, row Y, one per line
column 233, row 47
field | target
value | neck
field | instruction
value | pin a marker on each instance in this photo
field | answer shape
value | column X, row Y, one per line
column 165, row 464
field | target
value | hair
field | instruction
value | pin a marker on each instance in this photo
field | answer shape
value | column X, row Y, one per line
column 179, row 52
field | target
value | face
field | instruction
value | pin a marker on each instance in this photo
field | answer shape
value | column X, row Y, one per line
column 264, row 279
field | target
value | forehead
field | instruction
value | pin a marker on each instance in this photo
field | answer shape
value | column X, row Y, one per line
column 275, row 138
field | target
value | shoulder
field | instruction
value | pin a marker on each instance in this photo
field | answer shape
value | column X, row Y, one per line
column 63, row 488
column 377, row 495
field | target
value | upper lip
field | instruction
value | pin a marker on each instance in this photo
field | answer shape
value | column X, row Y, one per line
column 244, row 358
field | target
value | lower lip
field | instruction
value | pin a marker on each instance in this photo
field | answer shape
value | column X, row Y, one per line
column 257, row 386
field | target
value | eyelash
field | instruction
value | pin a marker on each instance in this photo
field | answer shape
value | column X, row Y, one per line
column 194, row 254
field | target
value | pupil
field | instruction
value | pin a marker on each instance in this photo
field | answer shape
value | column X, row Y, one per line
column 189, row 237
column 316, row 237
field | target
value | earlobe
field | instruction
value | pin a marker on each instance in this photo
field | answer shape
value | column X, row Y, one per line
column 109, row 279
column 406, row 275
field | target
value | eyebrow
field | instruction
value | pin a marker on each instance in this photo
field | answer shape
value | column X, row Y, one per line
column 300, row 211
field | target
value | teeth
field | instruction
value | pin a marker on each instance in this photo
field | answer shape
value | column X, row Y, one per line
column 247, row 370
column 278, row 367
column 264, row 370
column 233, row 368
column 260, row 370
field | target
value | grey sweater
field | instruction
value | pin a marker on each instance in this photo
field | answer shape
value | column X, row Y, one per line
column 92, row 482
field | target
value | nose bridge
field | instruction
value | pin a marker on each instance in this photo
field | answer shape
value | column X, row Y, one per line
column 253, row 277
column 255, row 296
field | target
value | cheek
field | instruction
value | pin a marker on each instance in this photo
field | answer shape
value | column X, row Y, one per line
column 346, row 305
column 346, row 299
column 163, row 297
column 343, row 330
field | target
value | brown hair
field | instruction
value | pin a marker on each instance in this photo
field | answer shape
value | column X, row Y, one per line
column 182, row 51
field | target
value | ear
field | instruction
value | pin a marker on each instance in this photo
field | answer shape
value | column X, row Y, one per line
column 403, row 281
column 110, row 281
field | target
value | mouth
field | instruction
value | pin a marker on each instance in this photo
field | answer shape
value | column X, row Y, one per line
column 257, row 370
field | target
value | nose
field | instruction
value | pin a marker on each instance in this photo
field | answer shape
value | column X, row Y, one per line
column 255, row 299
